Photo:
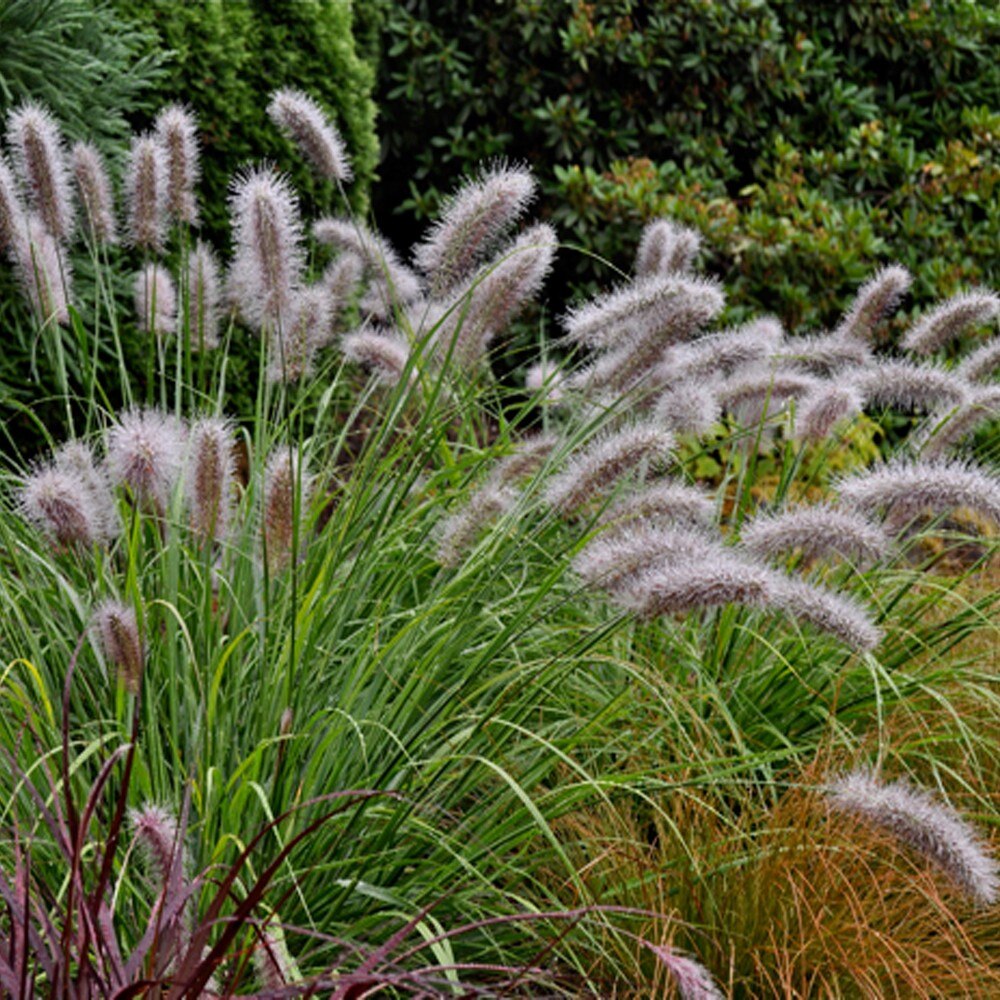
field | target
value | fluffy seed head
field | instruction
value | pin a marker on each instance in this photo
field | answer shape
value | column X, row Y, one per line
column 615, row 559
column 157, row 830
column 57, row 501
column 693, row 980
column 458, row 532
column 287, row 492
column 145, row 453
column 944, row 431
column 210, row 478
column 94, row 191
column 924, row 823
column 815, row 531
column 949, row 320
column 666, row 248
column 906, row 489
column 117, row 631
column 472, row 221
column 723, row 352
column 762, row 392
column 155, row 300
column 828, row 405
column 203, row 298
column 12, row 216
column 77, row 460
column 145, row 193
column 546, row 379
column 342, row 278
column 177, row 133
column 306, row 124
column 44, row 273
column 293, row 347
column 907, row 386
column 530, row 455
column 267, row 234
column 40, row 159
column 666, row 501
column 384, row 354
column 689, row 408
column 835, row 614
column 603, row 462
column 982, row 363
column 876, row 298
column 826, row 354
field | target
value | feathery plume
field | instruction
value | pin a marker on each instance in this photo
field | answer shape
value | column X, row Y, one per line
column 58, row 502
column 145, row 191
column 945, row 430
column 155, row 300
column 836, row 614
column 950, row 319
column 210, row 478
column 472, row 221
column 722, row 352
column 458, row 532
column 286, row 479
column 602, row 463
column 689, row 408
column 816, row 531
column 924, row 823
column 145, row 453
column 823, row 408
column 666, row 248
column 157, row 830
column 203, row 298
column 77, row 460
column 906, row 489
column 982, row 363
column 661, row 309
column 546, row 379
column 13, row 220
column 177, row 134
column 384, row 354
column 826, row 354
column 876, row 298
column 670, row 501
column 40, row 160
column 342, row 278
column 529, row 456
column 307, row 125
column 44, row 274
column 94, row 190
column 117, row 631
column 693, row 980
column 908, row 386
column 295, row 344
column 763, row 392
column 617, row 557
column 267, row 234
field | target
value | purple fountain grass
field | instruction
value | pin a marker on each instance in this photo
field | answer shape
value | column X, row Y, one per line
column 116, row 630
column 615, row 558
column 763, row 391
column 177, row 134
column 293, row 347
column 723, row 352
column 384, row 354
column 13, row 220
column 94, row 192
column 145, row 453
column 692, row 979
column 666, row 248
column 211, row 478
column 907, row 386
column 826, row 407
column 56, row 501
column 157, row 831
column 155, row 300
column 527, row 459
column 816, row 531
column 459, row 531
column 982, row 364
column 946, row 430
column 951, row 319
column 826, row 354
column 145, row 193
column 836, row 614
column 905, row 489
column 76, row 459
column 269, row 260
column 204, row 297
column 308, row 126
column 657, row 308
column 670, row 501
column 876, row 298
column 472, row 222
column 39, row 157
column 43, row 272
column 546, row 380
column 599, row 466
column 689, row 408
column 924, row 823
column 342, row 278
column 288, row 488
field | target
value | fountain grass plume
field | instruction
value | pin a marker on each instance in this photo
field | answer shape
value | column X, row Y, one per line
column 458, row 532
column 626, row 549
column 527, row 458
column 657, row 308
column 816, row 531
column 203, row 298
column 828, row 405
column 13, row 220
column 666, row 248
column 155, row 300
column 288, row 488
column 43, row 273
column 308, row 126
column 546, row 379
column 294, row 345
column 692, row 979
column 145, row 453
column 342, row 277
column 211, row 478
column 982, row 364
column 905, row 489
column 269, row 259
column 598, row 467
column 145, row 193
column 951, row 319
column 472, row 222
column 826, row 354
column 722, row 352
column 77, row 459
column 689, row 408
column 666, row 500
column 924, row 823
column 39, row 157
column 93, row 189
column 876, row 298
column 836, row 614
column 907, row 386
column 176, row 132
column 116, row 630
column 56, row 500
column 946, row 430
column 763, row 391
column 383, row 353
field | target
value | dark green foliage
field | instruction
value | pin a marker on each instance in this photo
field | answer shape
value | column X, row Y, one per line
column 228, row 56
column 806, row 140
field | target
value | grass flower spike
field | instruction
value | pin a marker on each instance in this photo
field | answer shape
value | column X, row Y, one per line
column 155, row 300
column 177, row 135
column 287, row 492
column 211, row 478
column 950, row 319
column 666, row 248
column 384, row 354
column 146, row 454
column 203, row 298
column 94, row 192
column 815, row 531
column 12, row 216
column 306, row 124
column 117, row 631
column 876, row 298
column 693, row 980
column 145, row 191
column 44, row 273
